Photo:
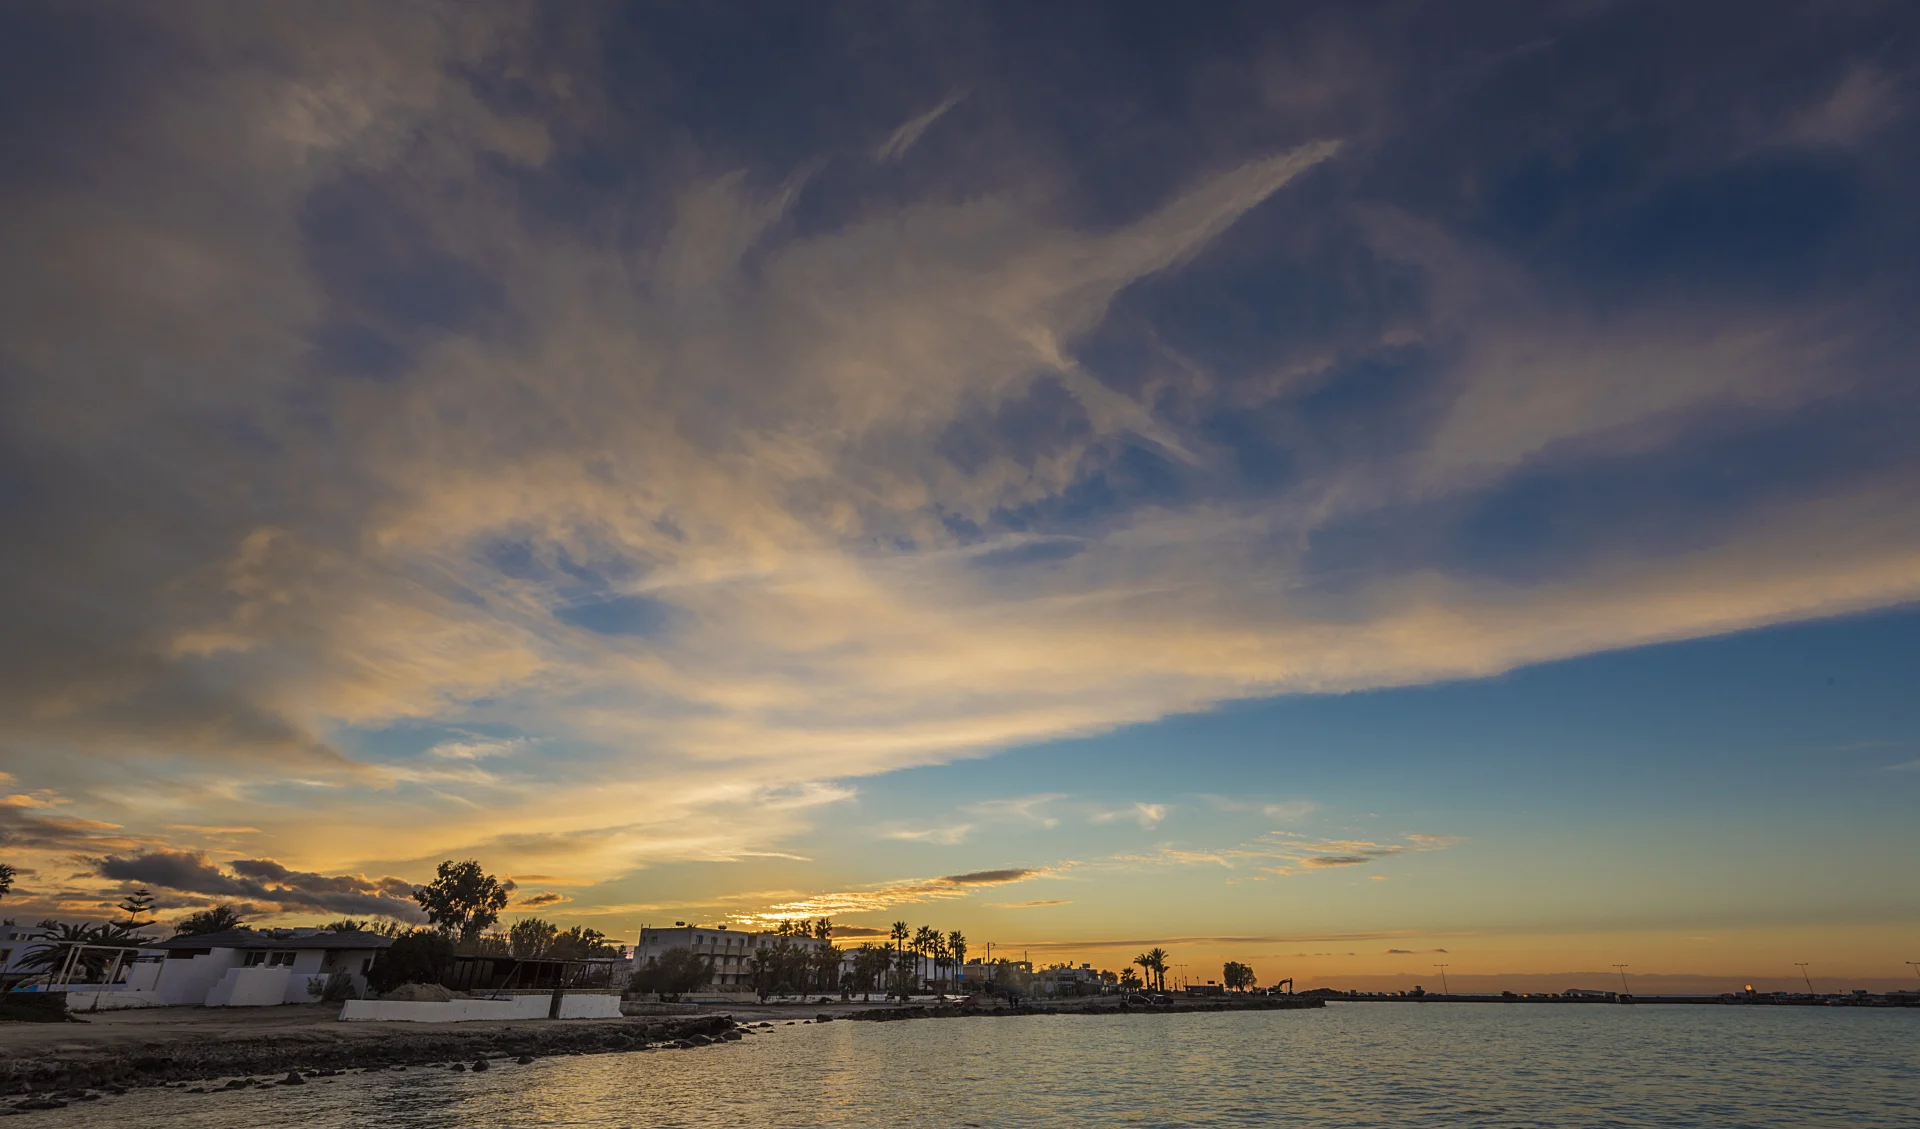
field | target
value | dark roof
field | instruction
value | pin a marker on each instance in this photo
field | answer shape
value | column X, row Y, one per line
column 275, row 939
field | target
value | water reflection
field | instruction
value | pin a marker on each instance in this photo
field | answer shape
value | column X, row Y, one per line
column 1350, row 1065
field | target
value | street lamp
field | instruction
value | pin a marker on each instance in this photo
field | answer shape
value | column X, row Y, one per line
column 1444, row 990
column 1802, row 966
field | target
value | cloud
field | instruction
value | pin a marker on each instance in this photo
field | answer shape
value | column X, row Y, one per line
column 990, row 877
column 1336, row 860
column 1033, row 904
column 538, row 900
column 903, row 138
column 475, row 400
column 946, row 836
column 1148, row 816
column 1399, row 952
column 882, row 896
column 263, row 880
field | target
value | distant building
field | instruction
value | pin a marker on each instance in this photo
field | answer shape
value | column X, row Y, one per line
column 731, row 951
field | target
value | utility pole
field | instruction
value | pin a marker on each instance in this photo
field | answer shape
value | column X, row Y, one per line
column 1623, row 978
column 1802, row 966
column 1444, row 990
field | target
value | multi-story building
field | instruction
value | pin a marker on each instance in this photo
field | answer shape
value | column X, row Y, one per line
column 730, row 950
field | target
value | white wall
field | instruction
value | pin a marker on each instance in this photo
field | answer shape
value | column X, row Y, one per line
column 594, row 1005
column 187, row 982
column 452, row 1011
column 251, row 987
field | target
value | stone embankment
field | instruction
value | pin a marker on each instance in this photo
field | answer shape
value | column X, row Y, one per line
column 66, row 1072
column 1092, row 1006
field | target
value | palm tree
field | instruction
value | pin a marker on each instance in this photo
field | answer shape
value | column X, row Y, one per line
column 923, row 939
column 900, row 934
column 1159, row 956
column 957, row 945
column 1145, row 961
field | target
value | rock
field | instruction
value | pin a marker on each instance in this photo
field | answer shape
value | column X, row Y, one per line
column 237, row 1084
column 293, row 1079
column 524, row 1059
column 42, row 1103
column 459, row 1068
column 481, row 1064
column 823, row 1019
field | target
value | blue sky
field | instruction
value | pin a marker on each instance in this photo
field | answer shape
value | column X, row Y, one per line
column 1388, row 467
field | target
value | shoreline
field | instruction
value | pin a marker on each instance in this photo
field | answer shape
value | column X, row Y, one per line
column 188, row 1048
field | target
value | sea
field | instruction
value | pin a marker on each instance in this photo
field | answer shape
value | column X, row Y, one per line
column 1351, row 1064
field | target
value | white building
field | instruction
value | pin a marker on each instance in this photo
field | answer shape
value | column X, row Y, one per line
column 731, row 951
column 257, row 967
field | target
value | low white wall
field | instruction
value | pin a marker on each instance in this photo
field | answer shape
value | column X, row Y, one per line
column 110, row 1001
column 251, row 987
column 451, row 1011
column 599, row 1005
column 190, row 980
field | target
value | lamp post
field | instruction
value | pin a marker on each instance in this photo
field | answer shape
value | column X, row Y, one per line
column 1802, row 966
column 1623, row 978
column 1444, row 990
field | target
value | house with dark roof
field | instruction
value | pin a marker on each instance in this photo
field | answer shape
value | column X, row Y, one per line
column 260, row 967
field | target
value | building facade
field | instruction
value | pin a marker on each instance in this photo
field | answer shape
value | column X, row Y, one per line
column 730, row 950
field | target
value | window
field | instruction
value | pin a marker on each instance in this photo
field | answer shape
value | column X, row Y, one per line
column 257, row 958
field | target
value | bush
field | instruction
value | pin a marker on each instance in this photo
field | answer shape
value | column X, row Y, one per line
column 671, row 973
column 423, row 956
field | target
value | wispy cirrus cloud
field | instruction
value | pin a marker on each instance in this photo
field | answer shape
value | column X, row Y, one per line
column 724, row 478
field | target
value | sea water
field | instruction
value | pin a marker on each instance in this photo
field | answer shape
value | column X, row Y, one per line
column 1352, row 1064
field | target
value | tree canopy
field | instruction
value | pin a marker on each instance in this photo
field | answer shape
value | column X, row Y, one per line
column 1236, row 976
column 218, row 919
column 463, row 899
column 673, row 972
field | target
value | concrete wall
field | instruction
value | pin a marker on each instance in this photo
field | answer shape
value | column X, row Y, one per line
column 451, row 1011
column 533, row 1005
column 111, row 1001
column 187, row 982
column 590, row 1005
column 253, row 987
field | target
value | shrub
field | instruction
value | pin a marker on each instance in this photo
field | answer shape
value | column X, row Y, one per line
column 423, row 956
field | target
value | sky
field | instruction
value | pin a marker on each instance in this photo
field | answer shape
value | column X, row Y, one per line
column 1347, row 487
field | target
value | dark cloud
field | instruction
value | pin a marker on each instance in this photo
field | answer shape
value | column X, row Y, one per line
column 1399, row 952
column 989, row 877
column 543, row 898
column 1336, row 860
column 263, row 880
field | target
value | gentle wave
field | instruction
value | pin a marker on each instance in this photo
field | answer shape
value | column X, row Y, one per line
column 1373, row 1065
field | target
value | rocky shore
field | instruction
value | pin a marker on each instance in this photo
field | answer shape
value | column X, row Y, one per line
column 62, row 1072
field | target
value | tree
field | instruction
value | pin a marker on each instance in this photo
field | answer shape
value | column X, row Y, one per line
column 423, row 956
column 579, row 943
column 378, row 926
column 53, row 953
column 463, row 899
column 219, row 919
column 1154, row 961
column 1145, row 962
column 923, row 939
column 1236, row 976
column 899, row 934
column 7, row 875
column 1130, row 980
column 957, row 945
column 673, row 972
column 823, row 928
column 531, row 937
column 137, row 906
